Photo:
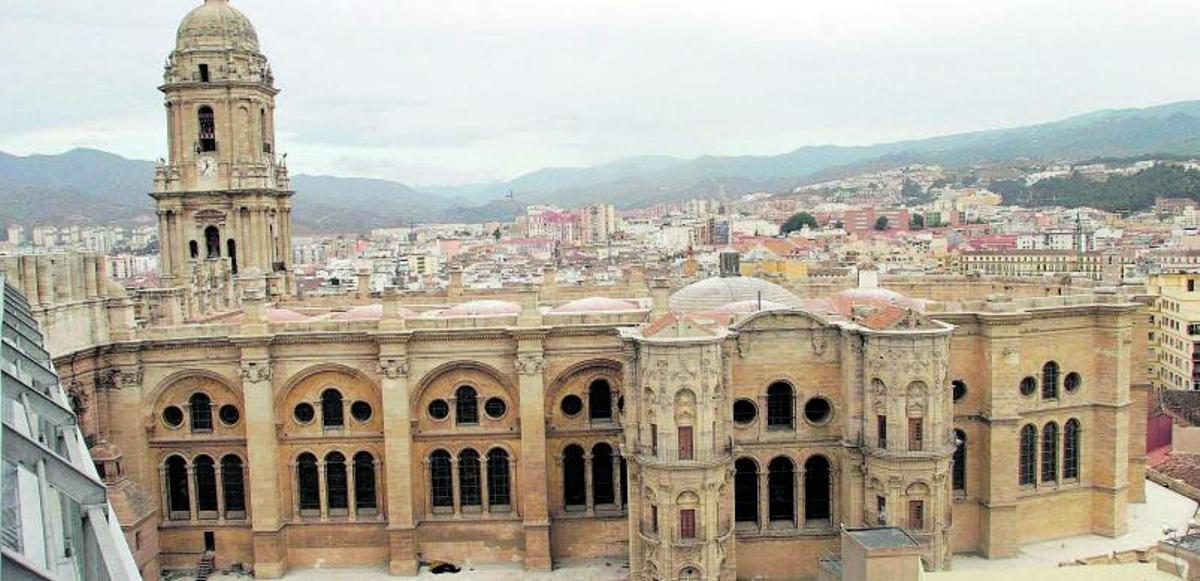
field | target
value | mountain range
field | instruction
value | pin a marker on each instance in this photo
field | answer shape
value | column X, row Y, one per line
column 91, row 186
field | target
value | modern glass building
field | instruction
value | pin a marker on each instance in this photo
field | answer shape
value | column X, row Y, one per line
column 55, row 519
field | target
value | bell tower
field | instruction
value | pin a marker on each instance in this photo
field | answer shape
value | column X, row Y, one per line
column 222, row 197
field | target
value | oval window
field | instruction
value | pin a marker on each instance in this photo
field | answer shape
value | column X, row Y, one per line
column 960, row 389
column 439, row 409
column 1028, row 385
column 229, row 414
column 572, row 405
column 360, row 411
column 744, row 411
column 304, row 413
column 1072, row 382
column 172, row 416
column 495, row 408
column 817, row 410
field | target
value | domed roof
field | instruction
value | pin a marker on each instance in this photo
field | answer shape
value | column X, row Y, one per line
column 595, row 305
column 712, row 293
column 368, row 313
column 750, row 306
column 485, row 308
column 216, row 25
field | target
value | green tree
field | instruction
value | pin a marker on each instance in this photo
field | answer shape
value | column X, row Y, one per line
column 881, row 223
column 799, row 221
column 917, row 222
column 912, row 191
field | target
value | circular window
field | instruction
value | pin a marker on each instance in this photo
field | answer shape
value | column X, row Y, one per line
column 744, row 411
column 817, row 410
column 1028, row 386
column 172, row 417
column 572, row 405
column 1072, row 382
column 360, row 410
column 304, row 413
column 439, row 409
column 960, row 389
column 495, row 408
column 229, row 414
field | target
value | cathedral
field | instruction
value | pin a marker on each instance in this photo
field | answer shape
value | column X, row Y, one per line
column 721, row 428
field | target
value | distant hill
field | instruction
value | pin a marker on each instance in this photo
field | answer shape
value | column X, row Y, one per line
column 89, row 186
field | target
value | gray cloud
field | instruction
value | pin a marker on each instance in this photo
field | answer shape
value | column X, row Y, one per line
column 423, row 90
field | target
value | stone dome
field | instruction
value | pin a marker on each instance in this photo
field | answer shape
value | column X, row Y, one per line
column 215, row 26
column 712, row 293
column 484, row 308
column 750, row 306
column 595, row 305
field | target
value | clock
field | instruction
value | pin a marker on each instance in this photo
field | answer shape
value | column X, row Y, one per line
column 206, row 167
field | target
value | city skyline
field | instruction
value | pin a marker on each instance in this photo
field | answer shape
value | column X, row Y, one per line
column 612, row 80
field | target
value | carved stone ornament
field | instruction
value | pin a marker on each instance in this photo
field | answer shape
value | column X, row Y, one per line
column 530, row 363
column 819, row 342
column 394, row 368
column 127, row 378
column 256, row 371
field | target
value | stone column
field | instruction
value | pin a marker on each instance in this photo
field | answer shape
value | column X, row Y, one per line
column 534, row 492
column 220, row 470
column 483, row 485
column 262, row 452
column 764, row 517
column 295, row 490
column 166, row 493
column 323, row 489
column 397, row 451
column 455, row 490
column 588, row 485
column 193, row 502
column 350, row 508
column 616, row 462
column 798, row 515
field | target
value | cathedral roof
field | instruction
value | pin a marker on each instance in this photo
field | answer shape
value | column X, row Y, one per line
column 712, row 293
column 216, row 25
column 596, row 305
column 484, row 308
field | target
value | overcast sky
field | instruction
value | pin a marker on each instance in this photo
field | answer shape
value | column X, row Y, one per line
column 451, row 91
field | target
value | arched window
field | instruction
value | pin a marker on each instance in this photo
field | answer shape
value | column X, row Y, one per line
column 959, row 475
column 177, row 489
column 201, row 412
column 1071, row 449
column 624, row 481
column 780, row 412
column 441, row 480
column 1026, row 472
column 745, row 490
column 332, row 414
column 364, row 484
column 264, row 131
column 817, row 485
column 689, row 574
column 1050, row 380
column 212, row 242
column 466, row 405
column 574, row 485
column 603, row 491
column 206, row 485
column 469, row 484
column 599, row 400
column 309, row 482
column 336, row 491
column 1050, row 452
column 233, row 482
column 193, row 249
column 207, row 135
column 781, row 490
column 497, row 479
column 231, row 251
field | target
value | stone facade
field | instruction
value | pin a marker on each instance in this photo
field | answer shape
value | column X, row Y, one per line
column 700, row 439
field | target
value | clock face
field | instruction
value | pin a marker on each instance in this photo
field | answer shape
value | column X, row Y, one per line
column 206, row 167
